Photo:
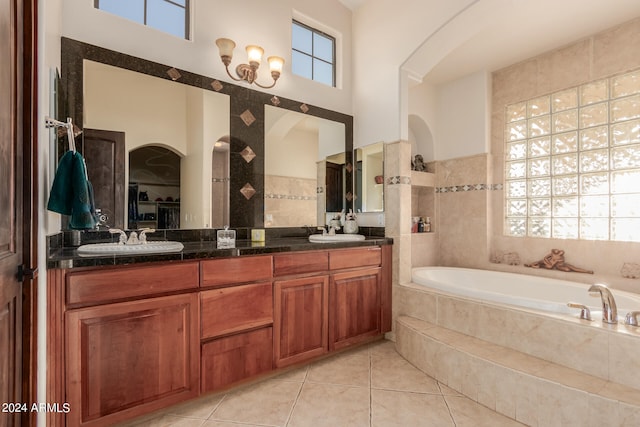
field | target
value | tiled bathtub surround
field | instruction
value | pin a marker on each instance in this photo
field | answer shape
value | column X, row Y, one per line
column 539, row 369
column 600, row 56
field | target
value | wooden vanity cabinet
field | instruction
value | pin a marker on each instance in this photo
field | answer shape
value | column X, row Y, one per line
column 124, row 341
column 127, row 358
column 354, row 307
column 236, row 333
column 301, row 313
column 355, row 293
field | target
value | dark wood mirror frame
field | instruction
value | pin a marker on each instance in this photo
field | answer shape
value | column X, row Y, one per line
column 246, row 120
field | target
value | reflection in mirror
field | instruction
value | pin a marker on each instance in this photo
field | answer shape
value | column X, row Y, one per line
column 186, row 120
column 370, row 178
column 154, row 188
column 296, row 148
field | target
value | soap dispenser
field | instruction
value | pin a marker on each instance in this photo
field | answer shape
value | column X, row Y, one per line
column 226, row 238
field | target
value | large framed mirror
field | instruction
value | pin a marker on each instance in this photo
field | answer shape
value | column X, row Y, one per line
column 217, row 130
column 298, row 150
column 369, row 178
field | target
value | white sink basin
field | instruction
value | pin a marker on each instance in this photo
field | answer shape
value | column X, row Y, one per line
column 118, row 249
column 319, row 238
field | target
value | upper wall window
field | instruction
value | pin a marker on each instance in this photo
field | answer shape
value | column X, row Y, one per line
column 313, row 54
column 170, row 16
column 572, row 166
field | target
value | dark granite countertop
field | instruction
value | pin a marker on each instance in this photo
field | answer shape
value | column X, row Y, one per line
column 65, row 256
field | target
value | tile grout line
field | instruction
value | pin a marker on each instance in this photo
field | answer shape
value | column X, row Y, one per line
column 370, row 387
column 295, row 402
column 447, row 404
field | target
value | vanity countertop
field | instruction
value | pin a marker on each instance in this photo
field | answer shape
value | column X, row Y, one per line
column 68, row 257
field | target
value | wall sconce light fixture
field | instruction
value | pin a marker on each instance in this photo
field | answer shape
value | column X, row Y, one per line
column 249, row 72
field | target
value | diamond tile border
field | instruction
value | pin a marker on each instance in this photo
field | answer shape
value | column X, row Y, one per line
column 275, row 100
column 248, row 154
column 248, row 191
column 174, row 74
column 216, row 85
column 247, row 117
column 304, row 108
column 289, row 196
column 398, row 180
column 469, row 187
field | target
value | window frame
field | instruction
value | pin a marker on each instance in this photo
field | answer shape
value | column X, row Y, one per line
column 187, row 16
column 334, row 43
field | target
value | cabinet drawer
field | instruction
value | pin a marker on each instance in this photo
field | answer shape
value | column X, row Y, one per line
column 233, row 309
column 301, row 262
column 350, row 258
column 222, row 272
column 105, row 285
column 234, row 358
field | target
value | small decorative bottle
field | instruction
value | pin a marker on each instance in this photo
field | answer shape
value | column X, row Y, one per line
column 427, row 225
column 420, row 226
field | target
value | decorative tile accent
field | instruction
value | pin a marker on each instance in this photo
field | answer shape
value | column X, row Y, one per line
column 630, row 270
column 289, row 196
column 349, row 196
column 275, row 100
column 174, row 74
column 396, row 180
column 469, row 187
column 349, row 167
column 320, row 190
column 248, row 154
column 216, row 85
column 247, row 117
column 304, row 108
column 501, row 257
column 248, row 191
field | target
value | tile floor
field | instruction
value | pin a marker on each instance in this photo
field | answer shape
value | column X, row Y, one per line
column 368, row 386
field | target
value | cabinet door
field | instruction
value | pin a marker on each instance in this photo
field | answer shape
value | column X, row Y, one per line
column 355, row 307
column 130, row 358
column 300, row 325
column 237, row 357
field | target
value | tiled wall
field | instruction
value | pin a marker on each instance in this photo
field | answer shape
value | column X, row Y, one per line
column 469, row 217
column 289, row 200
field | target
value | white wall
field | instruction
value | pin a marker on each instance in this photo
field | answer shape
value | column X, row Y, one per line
column 463, row 117
column 385, row 35
column 265, row 23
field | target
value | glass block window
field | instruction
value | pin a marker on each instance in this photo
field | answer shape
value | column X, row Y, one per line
column 572, row 163
column 170, row 16
column 313, row 54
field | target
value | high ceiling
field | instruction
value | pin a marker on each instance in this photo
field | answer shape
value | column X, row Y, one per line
column 509, row 31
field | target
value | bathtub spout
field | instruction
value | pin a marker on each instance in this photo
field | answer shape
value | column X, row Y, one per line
column 609, row 308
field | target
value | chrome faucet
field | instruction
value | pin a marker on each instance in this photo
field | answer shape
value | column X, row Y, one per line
column 609, row 308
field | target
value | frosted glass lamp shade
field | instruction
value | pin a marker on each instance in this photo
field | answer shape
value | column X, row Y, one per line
column 226, row 46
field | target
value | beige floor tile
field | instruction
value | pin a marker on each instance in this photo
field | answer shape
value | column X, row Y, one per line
column 296, row 375
column 392, row 372
column 171, row 421
column 268, row 402
column 448, row 391
column 211, row 423
column 350, row 368
column 199, row 408
column 402, row 409
column 467, row 413
column 331, row 405
column 383, row 348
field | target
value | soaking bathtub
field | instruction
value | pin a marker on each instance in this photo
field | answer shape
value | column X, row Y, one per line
column 522, row 290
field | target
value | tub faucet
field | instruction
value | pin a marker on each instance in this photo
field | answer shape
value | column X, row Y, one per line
column 609, row 309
